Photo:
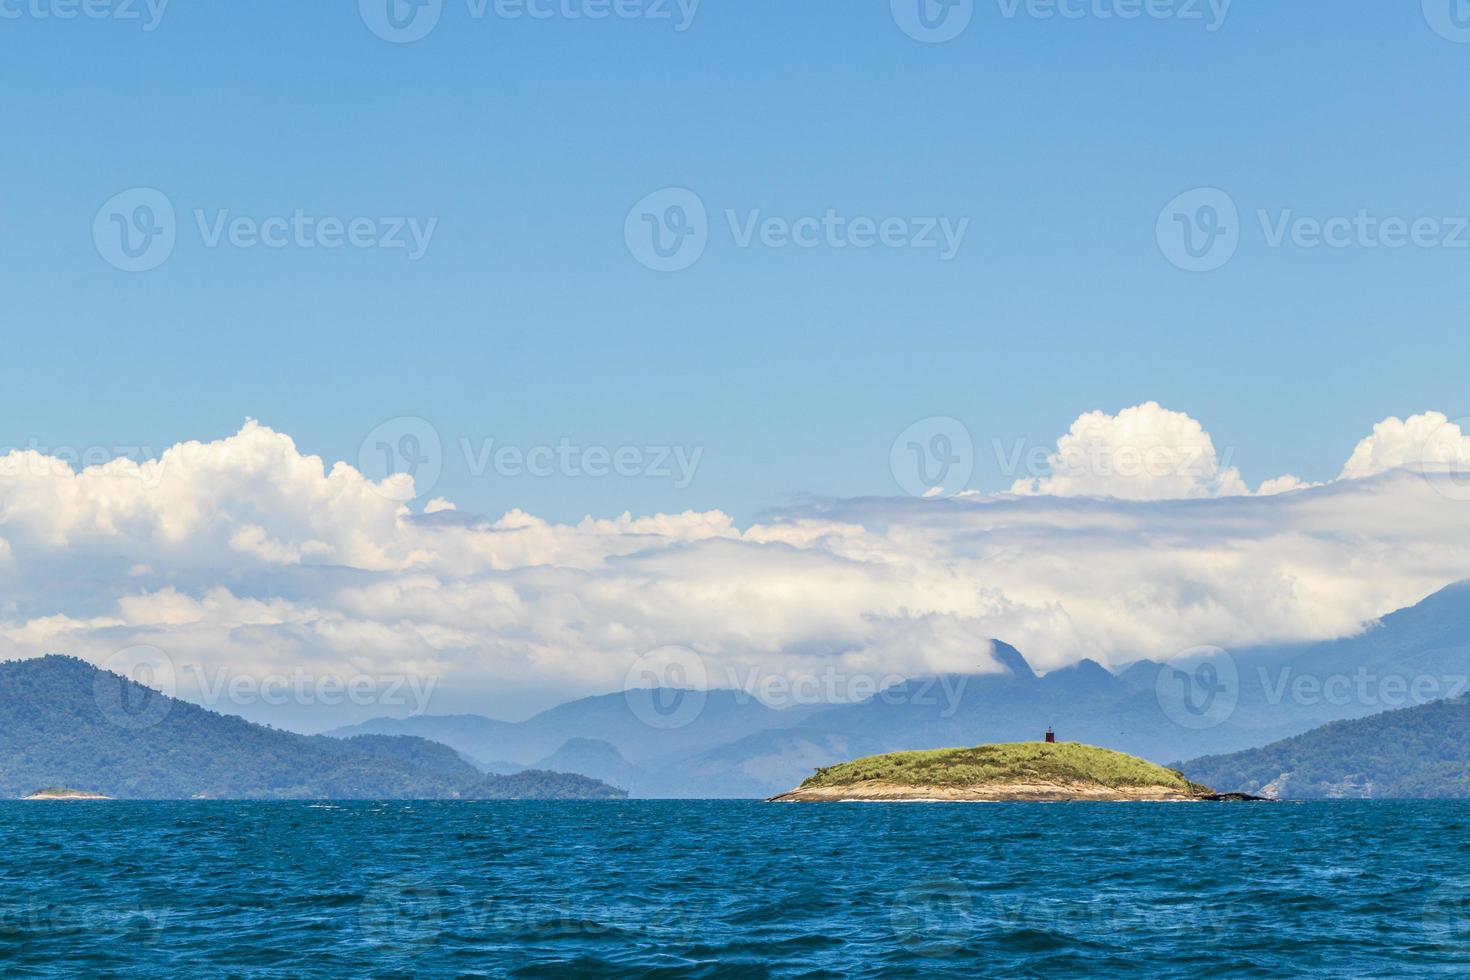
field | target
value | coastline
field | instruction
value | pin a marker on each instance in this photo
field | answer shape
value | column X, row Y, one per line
column 1013, row 792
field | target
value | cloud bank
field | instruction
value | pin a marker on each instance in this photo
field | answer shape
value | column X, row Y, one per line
column 247, row 556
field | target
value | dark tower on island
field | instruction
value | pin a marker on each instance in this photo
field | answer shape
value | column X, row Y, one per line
column 1051, row 736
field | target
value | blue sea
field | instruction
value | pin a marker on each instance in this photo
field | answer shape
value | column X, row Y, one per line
column 734, row 889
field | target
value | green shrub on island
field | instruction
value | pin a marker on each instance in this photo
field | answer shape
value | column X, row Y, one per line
column 1061, row 762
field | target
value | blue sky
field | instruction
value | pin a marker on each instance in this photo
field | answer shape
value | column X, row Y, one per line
column 528, row 321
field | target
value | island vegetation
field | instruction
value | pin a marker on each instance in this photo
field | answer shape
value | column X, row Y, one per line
column 1020, row 771
column 64, row 793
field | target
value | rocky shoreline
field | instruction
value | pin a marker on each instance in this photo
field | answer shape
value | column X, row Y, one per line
column 1027, row 792
column 64, row 794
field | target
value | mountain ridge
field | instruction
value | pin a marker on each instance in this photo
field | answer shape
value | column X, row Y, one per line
column 1085, row 701
column 65, row 722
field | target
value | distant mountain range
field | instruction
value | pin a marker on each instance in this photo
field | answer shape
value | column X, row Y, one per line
column 63, row 722
column 738, row 747
column 59, row 727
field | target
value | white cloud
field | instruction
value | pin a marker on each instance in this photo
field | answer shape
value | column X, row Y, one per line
column 1282, row 484
column 1421, row 441
column 1143, row 453
column 244, row 554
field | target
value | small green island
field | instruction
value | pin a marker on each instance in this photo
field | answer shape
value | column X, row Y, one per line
column 1019, row 771
column 63, row 793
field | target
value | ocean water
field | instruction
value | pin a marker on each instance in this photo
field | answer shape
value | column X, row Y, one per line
column 734, row 889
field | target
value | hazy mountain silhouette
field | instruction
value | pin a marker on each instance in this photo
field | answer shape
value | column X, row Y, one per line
column 63, row 722
column 739, row 747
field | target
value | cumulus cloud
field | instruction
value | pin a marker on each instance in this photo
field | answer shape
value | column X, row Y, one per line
column 248, row 556
column 1429, row 441
column 1145, row 452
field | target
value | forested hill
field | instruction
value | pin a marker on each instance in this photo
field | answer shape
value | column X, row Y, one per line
column 63, row 722
column 1413, row 752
